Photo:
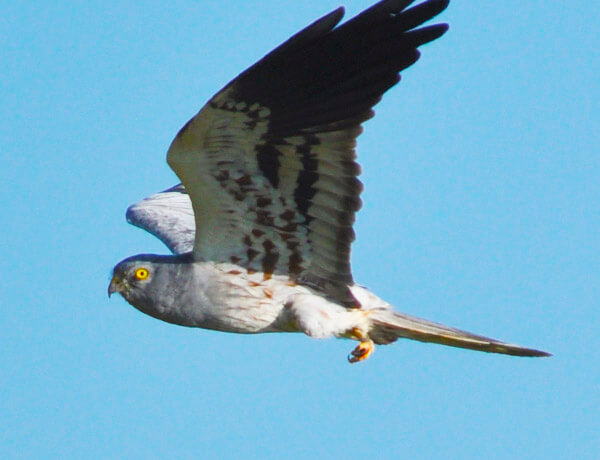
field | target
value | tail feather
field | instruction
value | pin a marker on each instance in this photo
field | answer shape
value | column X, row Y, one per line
column 389, row 326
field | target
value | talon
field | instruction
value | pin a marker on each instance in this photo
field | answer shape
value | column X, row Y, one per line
column 362, row 351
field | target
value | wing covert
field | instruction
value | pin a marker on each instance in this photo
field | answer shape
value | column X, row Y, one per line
column 269, row 162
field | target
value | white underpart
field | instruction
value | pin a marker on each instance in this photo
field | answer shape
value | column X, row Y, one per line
column 228, row 298
column 320, row 318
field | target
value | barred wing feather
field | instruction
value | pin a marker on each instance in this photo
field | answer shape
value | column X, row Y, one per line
column 269, row 162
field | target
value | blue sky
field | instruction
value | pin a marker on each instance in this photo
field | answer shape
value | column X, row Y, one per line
column 480, row 211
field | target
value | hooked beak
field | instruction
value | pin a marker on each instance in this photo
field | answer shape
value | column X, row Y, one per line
column 116, row 285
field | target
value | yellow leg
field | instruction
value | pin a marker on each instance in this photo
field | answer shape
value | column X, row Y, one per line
column 364, row 349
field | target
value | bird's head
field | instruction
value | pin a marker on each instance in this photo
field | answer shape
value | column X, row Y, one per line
column 152, row 283
column 134, row 277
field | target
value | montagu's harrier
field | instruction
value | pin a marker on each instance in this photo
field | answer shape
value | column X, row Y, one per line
column 261, row 225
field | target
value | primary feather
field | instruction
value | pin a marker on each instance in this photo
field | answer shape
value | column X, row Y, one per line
column 269, row 162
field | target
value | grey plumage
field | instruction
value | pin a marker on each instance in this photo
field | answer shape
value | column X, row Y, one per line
column 262, row 242
column 168, row 215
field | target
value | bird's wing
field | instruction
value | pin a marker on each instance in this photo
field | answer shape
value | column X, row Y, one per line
column 168, row 215
column 269, row 161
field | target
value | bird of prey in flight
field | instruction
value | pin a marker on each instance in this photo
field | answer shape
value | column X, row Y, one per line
column 261, row 224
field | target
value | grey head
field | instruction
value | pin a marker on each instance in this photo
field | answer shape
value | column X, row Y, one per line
column 151, row 282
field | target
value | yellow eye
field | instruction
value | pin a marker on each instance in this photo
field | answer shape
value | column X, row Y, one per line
column 141, row 273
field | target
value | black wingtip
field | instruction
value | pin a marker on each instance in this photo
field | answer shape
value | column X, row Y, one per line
column 435, row 7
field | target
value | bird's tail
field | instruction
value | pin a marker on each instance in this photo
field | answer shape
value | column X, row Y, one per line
column 388, row 326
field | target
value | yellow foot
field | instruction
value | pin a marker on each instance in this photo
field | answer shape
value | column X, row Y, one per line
column 362, row 351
